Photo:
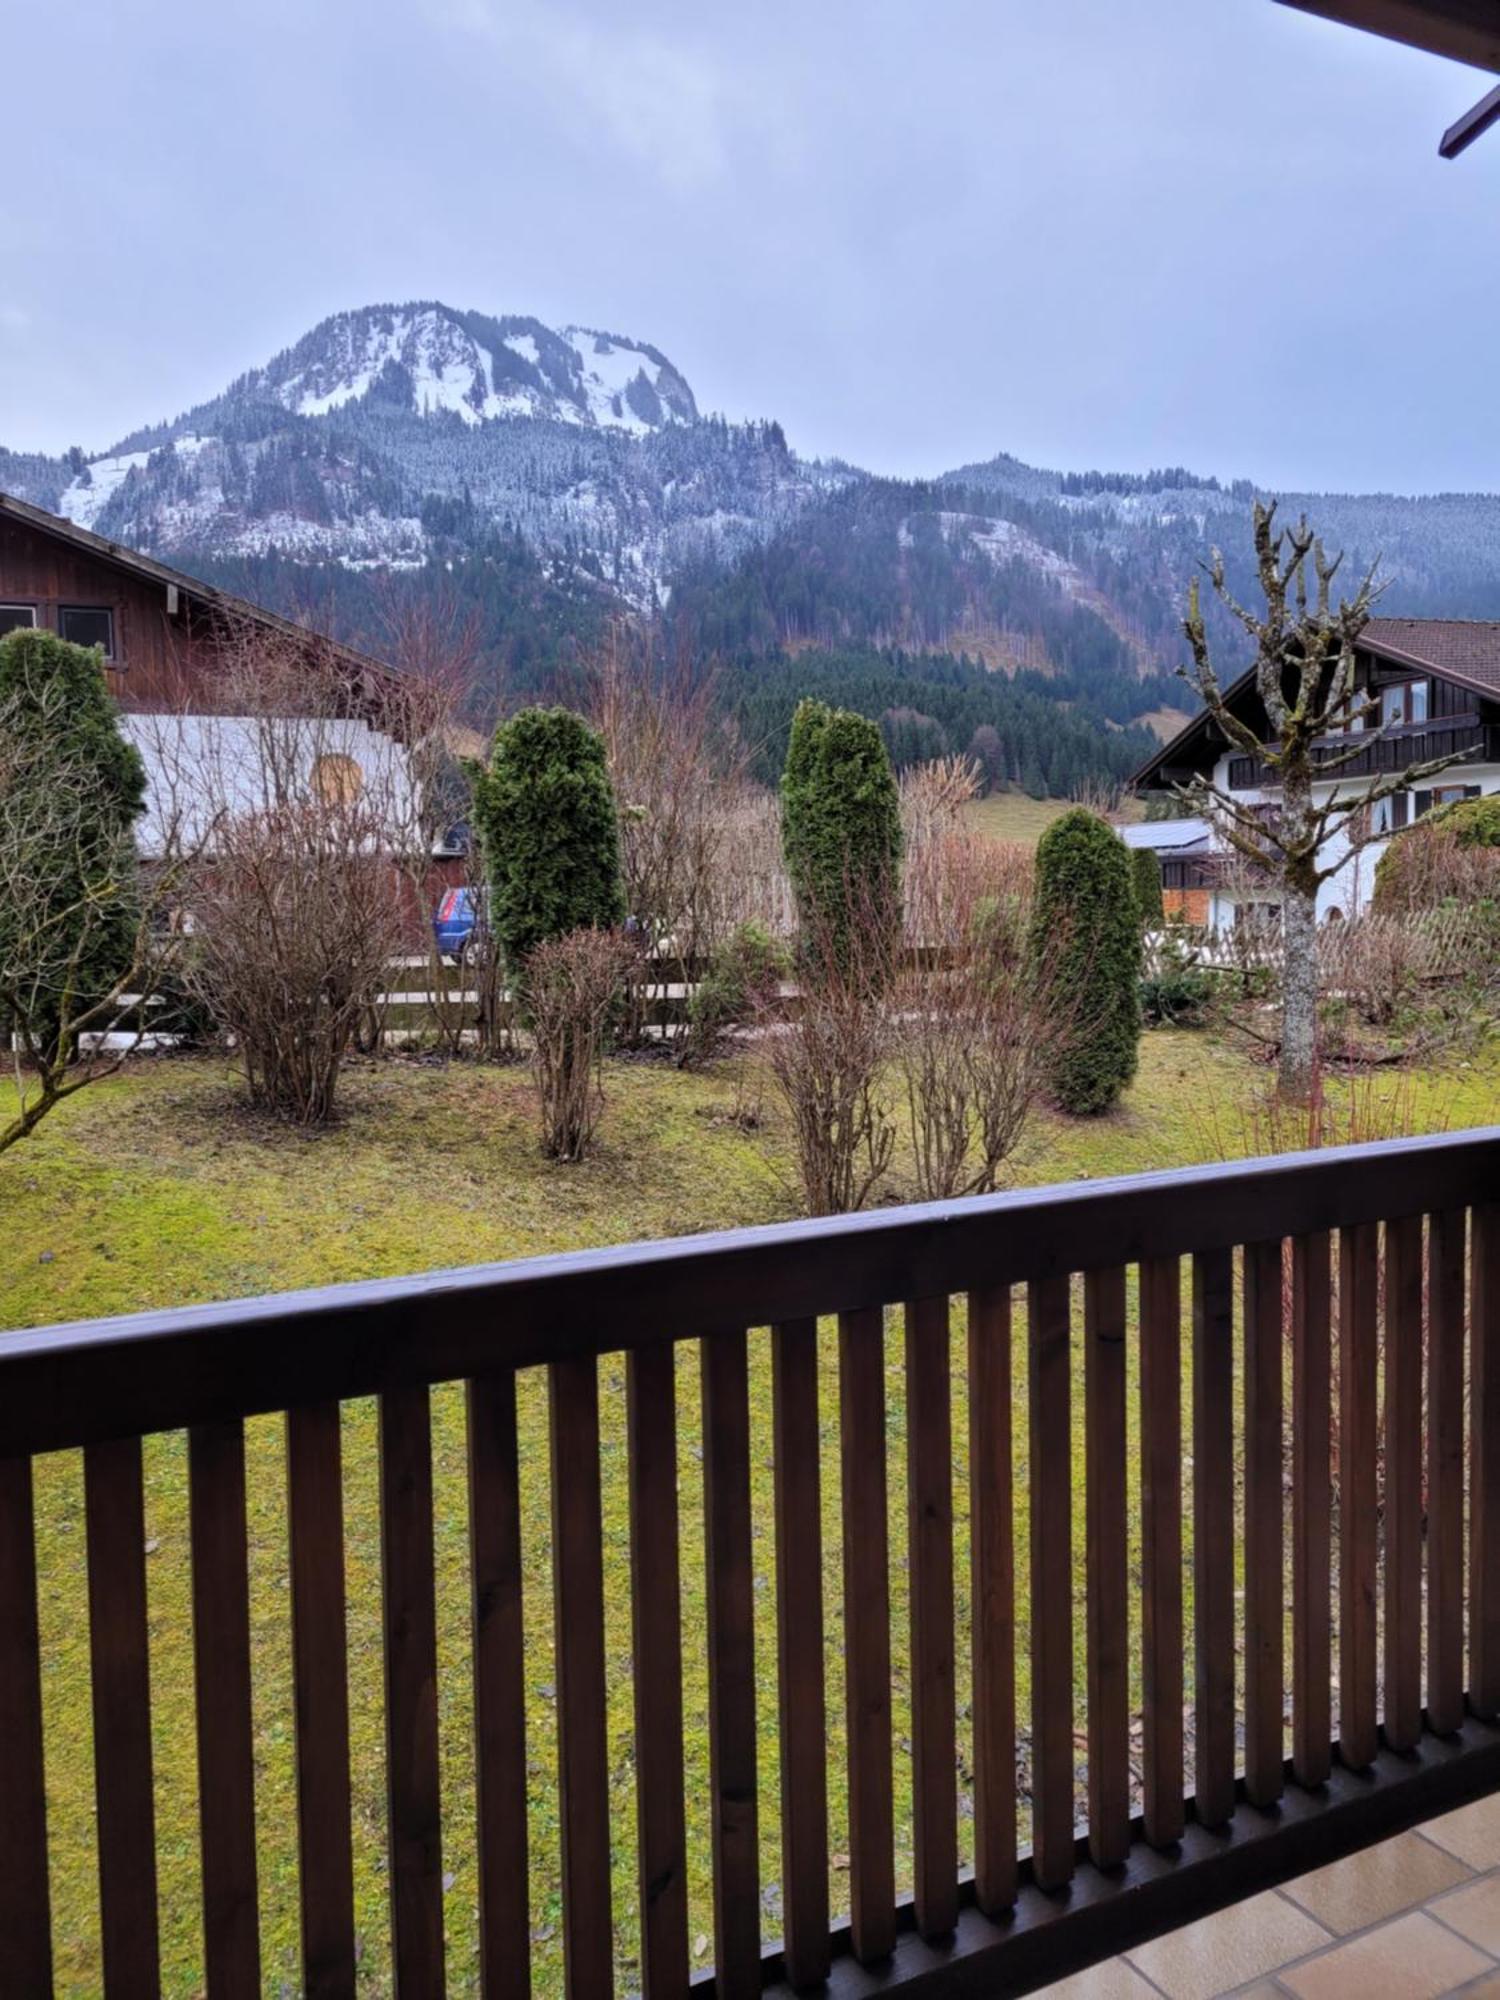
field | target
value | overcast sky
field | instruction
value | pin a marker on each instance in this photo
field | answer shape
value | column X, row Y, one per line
column 1111, row 233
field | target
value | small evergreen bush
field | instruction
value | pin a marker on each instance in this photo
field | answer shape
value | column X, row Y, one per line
column 544, row 810
column 841, row 828
column 742, row 973
column 1086, row 942
column 1146, row 868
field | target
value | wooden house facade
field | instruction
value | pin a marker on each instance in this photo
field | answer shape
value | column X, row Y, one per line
column 167, row 638
column 1435, row 686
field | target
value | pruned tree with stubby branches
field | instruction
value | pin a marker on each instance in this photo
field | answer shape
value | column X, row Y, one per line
column 1304, row 677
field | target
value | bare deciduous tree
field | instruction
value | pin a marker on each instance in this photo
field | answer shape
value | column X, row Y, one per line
column 933, row 796
column 677, row 770
column 1305, row 681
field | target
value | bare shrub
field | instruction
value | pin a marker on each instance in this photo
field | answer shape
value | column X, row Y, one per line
column 748, row 882
column 933, row 796
column 436, row 645
column 977, row 1021
column 571, row 986
column 676, row 767
column 1376, row 965
column 827, row 1062
column 1429, row 866
column 295, row 902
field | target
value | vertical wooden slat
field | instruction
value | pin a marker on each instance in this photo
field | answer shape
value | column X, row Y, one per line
column 409, row 1603
column 731, row 1666
column 799, row 1632
column 1049, row 1315
column 1312, row 1509
column 1105, row 1566
column 993, row 1595
column 315, row 1513
column 578, row 1624
column 930, row 1554
column 120, row 1667
column 1161, row 1548
column 25, row 1927
column 1264, row 1586
column 499, row 1686
column 656, row 1631
column 1213, row 1536
column 1484, row 1461
column 1445, row 1469
column 1403, row 1481
column 226, row 1737
column 867, row 1633
column 1358, row 1281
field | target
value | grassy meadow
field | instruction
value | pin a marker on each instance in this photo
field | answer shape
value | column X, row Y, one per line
column 158, row 1189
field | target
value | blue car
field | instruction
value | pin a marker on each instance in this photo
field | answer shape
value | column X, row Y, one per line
column 456, row 921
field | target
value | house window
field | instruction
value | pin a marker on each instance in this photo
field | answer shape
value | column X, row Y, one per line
column 16, row 618
column 1387, row 815
column 337, row 780
column 1406, row 702
column 88, row 625
column 1443, row 795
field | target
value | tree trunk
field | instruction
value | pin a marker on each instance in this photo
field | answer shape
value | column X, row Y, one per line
column 1299, row 1004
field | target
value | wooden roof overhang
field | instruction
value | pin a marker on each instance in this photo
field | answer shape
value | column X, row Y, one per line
column 369, row 679
column 1466, row 31
column 1198, row 743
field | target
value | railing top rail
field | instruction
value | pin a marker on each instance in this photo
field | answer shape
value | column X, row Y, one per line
column 67, row 1385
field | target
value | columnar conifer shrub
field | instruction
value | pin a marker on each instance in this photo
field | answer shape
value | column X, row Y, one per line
column 544, row 810
column 841, row 826
column 1147, row 870
column 1086, row 929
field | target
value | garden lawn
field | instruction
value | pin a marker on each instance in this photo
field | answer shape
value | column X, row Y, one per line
column 157, row 1189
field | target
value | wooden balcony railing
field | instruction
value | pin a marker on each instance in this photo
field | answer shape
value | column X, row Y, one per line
column 1391, row 750
column 1312, row 1280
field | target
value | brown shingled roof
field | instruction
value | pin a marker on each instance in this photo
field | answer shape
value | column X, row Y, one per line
column 1463, row 649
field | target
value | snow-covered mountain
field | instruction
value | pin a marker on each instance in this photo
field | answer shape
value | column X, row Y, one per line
column 388, row 433
column 427, row 359
column 553, row 474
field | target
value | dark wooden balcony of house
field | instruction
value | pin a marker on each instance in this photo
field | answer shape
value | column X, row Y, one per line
column 1241, row 1320
column 1466, row 736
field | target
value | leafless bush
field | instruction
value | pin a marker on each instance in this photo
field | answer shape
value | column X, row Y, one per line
column 296, row 902
column 827, row 1062
column 748, row 882
column 676, row 767
column 933, row 796
column 1374, row 964
column 977, row 1021
column 1427, row 867
column 571, row 986
column 435, row 644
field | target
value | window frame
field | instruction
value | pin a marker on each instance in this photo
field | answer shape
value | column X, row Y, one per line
column 1407, row 691
column 17, row 604
column 111, row 651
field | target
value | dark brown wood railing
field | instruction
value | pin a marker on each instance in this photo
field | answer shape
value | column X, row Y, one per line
column 1328, row 1288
